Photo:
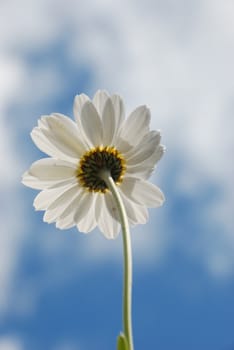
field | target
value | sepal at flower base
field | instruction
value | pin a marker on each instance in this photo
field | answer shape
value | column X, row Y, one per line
column 122, row 343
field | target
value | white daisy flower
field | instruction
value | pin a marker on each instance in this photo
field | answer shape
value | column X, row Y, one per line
column 72, row 192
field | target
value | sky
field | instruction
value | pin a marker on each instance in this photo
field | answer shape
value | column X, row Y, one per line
column 61, row 290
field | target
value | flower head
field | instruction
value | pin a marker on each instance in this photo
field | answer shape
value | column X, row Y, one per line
column 73, row 192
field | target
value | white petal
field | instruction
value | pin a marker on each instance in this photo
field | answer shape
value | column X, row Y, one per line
column 99, row 100
column 119, row 110
column 143, row 150
column 142, row 192
column 83, row 207
column 44, row 143
column 65, row 197
column 114, row 229
column 145, row 168
column 74, row 205
column 33, row 182
column 108, row 122
column 79, row 102
column 136, row 125
column 45, row 198
column 137, row 214
column 140, row 172
column 106, row 213
column 151, row 136
column 64, row 205
column 99, row 205
column 91, row 124
column 88, row 223
column 47, row 169
column 65, row 223
column 48, row 173
column 65, row 131
column 59, row 137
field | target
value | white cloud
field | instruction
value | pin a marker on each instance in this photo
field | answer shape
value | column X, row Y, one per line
column 10, row 343
column 11, row 73
column 35, row 24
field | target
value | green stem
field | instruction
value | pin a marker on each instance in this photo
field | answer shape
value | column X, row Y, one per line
column 127, row 280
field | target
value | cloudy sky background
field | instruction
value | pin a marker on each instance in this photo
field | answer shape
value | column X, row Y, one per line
column 61, row 290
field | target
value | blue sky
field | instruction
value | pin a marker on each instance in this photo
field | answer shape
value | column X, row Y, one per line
column 61, row 290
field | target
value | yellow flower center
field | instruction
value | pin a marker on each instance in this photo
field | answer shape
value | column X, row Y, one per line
column 94, row 161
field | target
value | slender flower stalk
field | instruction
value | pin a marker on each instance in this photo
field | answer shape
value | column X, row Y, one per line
column 127, row 252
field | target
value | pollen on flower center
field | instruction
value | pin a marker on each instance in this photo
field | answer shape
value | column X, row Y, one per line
column 94, row 161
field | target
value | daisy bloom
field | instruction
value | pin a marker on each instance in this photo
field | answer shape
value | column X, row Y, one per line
column 73, row 190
